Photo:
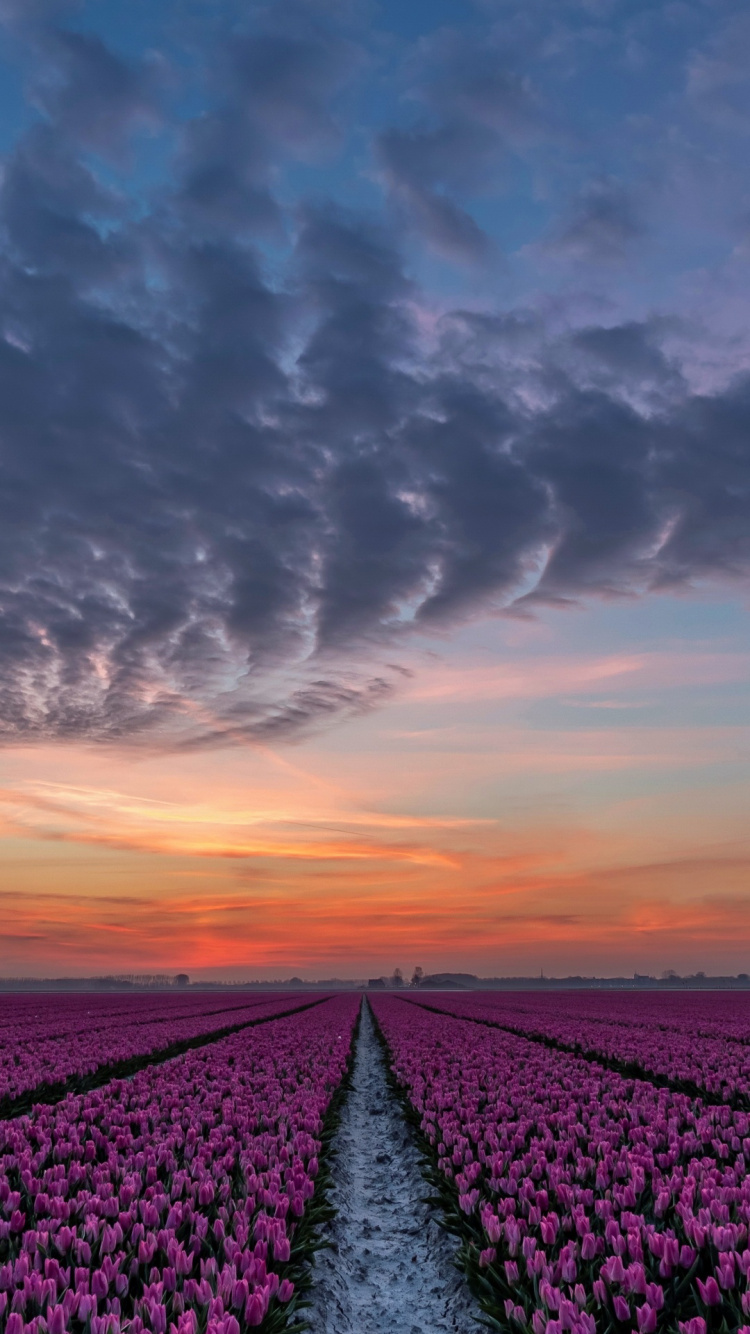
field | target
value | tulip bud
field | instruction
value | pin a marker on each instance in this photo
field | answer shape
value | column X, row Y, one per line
column 588, row 1246
column 710, row 1292
column 254, row 1310
column 282, row 1249
column 622, row 1310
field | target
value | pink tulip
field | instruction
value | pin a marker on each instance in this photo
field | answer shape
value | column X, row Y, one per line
column 621, row 1308
column 646, row 1318
column 695, row 1326
column 710, row 1292
column 254, row 1310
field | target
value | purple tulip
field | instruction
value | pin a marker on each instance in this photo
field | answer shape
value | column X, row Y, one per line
column 588, row 1246
column 254, row 1311
column 646, row 1318
column 710, row 1292
column 725, row 1270
column 621, row 1308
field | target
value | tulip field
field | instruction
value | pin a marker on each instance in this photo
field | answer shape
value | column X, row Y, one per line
column 589, row 1152
column 52, row 1045
column 698, row 1042
column 179, row 1199
column 585, row 1199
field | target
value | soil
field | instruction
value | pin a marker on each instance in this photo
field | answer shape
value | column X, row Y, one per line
column 388, row 1267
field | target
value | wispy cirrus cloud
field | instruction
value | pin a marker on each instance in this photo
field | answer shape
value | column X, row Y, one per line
column 97, row 817
column 551, row 675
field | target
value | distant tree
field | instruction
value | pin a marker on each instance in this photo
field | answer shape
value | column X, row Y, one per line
column 398, row 978
column 417, row 976
column 182, row 980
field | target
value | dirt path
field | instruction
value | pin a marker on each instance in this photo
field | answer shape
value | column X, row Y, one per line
column 390, row 1268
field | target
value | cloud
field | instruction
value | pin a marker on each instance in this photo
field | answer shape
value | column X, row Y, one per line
column 476, row 111
column 92, row 96
column 602, row 226
column 114, row 821
column 230, row 474
column 543, row 677
column 306, row 708
column 272, row 96
column 418, row 168
column 716, row 76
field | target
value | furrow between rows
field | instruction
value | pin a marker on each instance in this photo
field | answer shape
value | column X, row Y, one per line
column 387, row 1263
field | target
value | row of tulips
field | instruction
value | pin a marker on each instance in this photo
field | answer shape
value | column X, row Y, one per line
column 179, row 1200
column 704, row 1014
column 585, row 1200
column 64, row 1052
column 53, row 1014
column 639, row 1035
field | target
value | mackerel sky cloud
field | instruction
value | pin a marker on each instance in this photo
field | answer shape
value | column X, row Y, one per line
column 331, row 333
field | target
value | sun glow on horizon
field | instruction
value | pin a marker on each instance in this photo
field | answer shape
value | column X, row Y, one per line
column 454, row 827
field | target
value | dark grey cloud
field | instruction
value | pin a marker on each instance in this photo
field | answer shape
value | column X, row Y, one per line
column 602, row 227
column 95, row 99
column 231, row 486
column 271, row 93
column 421, row 168
column 476, row 110
column 321, row 701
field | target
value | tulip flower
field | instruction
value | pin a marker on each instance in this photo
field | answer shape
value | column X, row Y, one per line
column 621, row 1308
column 710, row 1292
column 695, row 1326
column 646, row 1318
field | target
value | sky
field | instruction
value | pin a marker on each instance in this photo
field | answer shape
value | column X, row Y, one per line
column 374, row 487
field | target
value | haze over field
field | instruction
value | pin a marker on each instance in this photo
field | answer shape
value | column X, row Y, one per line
column 374, row 487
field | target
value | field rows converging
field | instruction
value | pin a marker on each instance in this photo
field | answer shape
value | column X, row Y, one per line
column 334, row 1164
column 75, row 1056
column 702, row 1049
column 581, row 1197
column 183, row 1197
column 388, row 1265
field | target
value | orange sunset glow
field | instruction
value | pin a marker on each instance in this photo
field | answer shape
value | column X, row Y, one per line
column 387, row 842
